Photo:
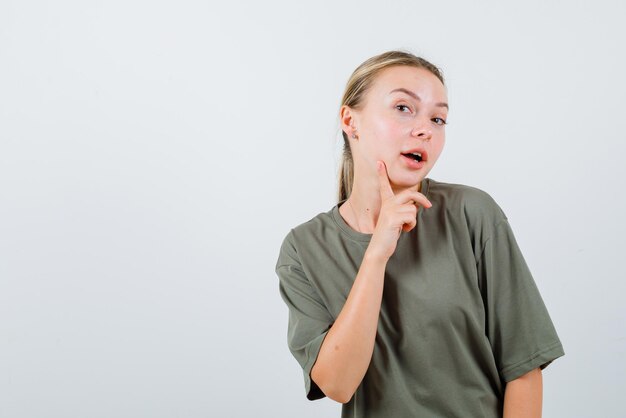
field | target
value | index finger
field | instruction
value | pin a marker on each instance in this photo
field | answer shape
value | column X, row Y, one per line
column 385, row 188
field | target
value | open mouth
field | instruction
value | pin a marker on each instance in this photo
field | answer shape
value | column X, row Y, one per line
column 417, row 156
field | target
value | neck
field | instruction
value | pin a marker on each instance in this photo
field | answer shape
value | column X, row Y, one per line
column 364, row 202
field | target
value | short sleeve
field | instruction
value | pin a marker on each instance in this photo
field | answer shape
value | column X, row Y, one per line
column 309, row 319
column 519, row 327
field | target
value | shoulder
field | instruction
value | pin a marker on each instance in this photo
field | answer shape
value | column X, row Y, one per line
column 309, row 231
column 476, row 205
column 315, row 226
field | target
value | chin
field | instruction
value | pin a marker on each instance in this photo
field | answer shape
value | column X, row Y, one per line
column 408, row 180
column 406, row 183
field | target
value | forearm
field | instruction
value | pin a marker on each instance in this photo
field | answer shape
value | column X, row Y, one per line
column 347, row 349
column 523, row 396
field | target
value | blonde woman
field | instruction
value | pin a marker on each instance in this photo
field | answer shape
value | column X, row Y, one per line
column 410, row 297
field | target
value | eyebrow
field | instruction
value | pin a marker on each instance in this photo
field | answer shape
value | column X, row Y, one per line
column 416, row 97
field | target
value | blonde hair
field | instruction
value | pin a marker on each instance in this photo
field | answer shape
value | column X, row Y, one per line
column 357, row 86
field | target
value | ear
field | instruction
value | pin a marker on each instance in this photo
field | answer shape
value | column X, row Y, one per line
column 348, row 117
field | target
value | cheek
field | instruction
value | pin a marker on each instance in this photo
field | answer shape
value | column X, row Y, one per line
column 387, row 130
column 438, row 148
column 442, row 141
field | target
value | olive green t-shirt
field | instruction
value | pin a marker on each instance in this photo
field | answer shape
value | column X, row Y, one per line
column 461, row 314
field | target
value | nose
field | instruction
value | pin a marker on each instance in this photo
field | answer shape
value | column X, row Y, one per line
column 422, row 131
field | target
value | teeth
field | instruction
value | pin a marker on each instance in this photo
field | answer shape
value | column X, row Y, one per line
column 417, row 153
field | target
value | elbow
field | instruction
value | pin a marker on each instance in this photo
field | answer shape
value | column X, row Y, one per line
column 332, row 385
column 339, row 395
column 333, row 389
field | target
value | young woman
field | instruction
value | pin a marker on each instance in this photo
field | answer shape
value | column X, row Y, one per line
column 410, row 297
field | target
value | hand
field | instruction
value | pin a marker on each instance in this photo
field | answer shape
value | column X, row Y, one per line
column 397, row 213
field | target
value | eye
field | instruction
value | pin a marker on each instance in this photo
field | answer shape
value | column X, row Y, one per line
column 441, row 121
column 401, row 106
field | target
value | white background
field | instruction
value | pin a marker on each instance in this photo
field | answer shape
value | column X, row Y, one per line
column 153, row 155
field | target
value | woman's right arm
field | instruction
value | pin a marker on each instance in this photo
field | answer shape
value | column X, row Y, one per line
column 347, row 349
column 346, row 352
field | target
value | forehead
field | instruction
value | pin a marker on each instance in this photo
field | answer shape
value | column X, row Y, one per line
column 418, row 80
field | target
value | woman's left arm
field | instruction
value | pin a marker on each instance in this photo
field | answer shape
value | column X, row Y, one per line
column 523, row 396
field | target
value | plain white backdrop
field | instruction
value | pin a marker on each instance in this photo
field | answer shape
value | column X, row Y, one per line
column 154, row 154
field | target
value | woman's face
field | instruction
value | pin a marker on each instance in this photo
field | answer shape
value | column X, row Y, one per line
column 404, row 111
